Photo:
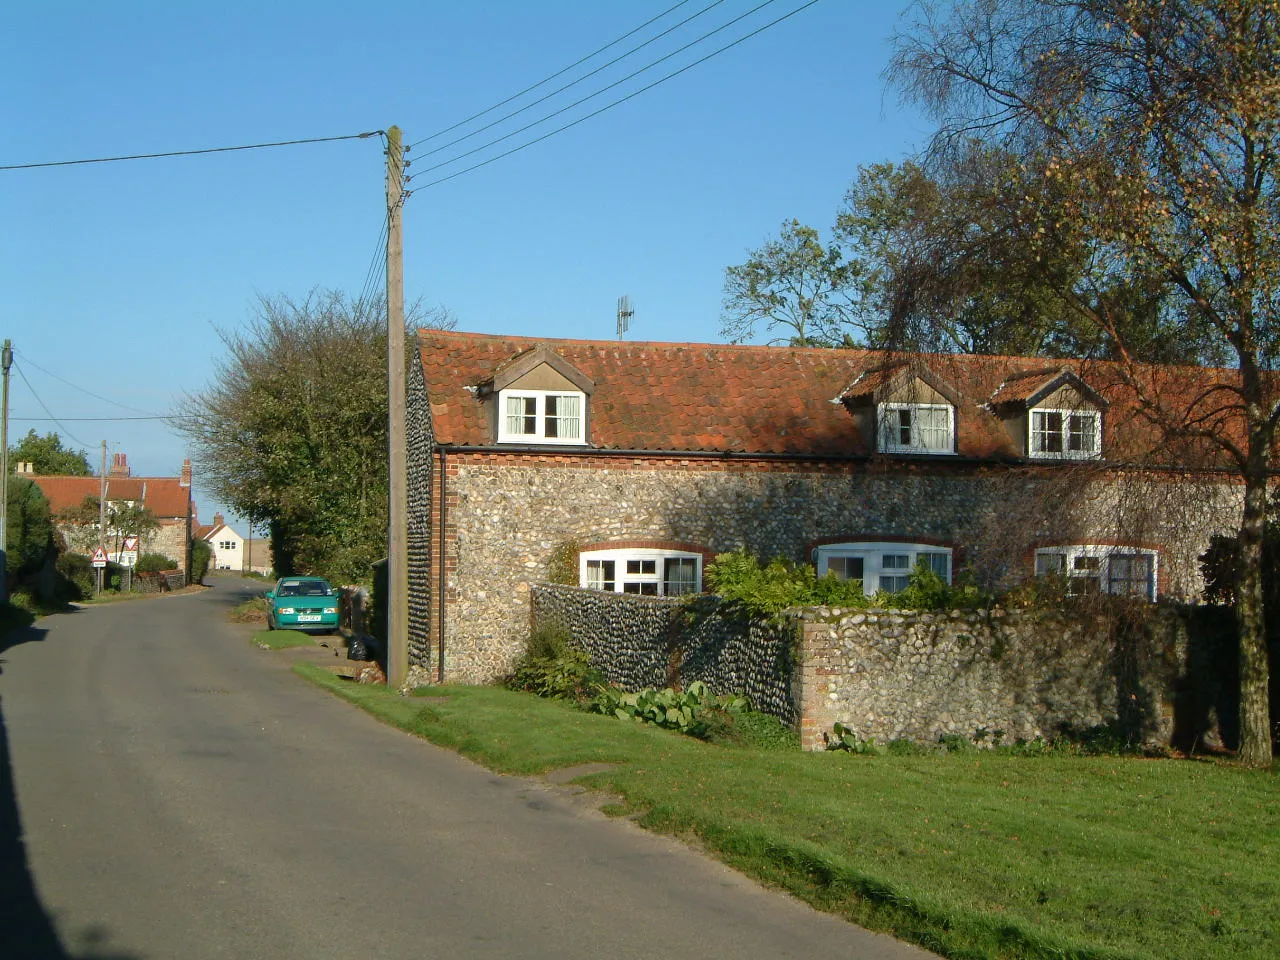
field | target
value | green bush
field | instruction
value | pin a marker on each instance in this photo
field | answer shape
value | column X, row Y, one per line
column 671, row 709
column 201, row 557
column 747, row 728
column 553, row 667
column 846, row 738
column 766, row 591
column 75, row 577
column 154, row 563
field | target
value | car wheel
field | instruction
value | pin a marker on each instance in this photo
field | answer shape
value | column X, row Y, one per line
column 271, row 624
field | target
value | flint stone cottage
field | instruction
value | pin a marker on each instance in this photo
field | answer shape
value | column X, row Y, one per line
column 632, row 465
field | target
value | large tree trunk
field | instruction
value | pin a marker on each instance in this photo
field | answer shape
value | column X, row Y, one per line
column 1255, row 718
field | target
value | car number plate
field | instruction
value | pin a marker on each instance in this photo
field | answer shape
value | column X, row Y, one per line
column 309, row 618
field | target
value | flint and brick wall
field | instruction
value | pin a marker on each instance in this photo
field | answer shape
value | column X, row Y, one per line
column 893, row 674
column 638, row 642
column 898, row 674
column 507, row 514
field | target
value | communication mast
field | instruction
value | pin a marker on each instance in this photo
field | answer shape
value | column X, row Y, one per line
column 625, row 313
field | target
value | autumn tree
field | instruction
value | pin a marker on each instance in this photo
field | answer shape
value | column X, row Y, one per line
column 292, row 429
column 1146, row 133
column 797, row 289
column 49, row 457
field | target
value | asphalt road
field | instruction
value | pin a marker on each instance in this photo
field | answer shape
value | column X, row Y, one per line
column 168, row 790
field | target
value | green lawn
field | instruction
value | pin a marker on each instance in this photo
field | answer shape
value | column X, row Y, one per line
column 972, row 855
column 283, row 639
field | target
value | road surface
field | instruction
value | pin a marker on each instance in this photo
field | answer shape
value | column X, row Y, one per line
column 167, row 790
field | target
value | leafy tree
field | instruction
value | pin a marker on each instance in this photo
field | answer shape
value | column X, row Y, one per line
column 1153, row 126
column 130, row 519
column 29, row 529
column 952, row 262
column 793, row 285
column 49, row 457
column 293, row 429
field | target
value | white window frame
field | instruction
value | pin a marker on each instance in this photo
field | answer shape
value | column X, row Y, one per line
column 1075, row 555
column 620, row 557
column 873, row 554
column 1065, row 453
column 888, row 426
column 505, row 435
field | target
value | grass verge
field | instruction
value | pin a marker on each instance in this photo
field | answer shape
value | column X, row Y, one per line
column 973, row 856
column 283, row 639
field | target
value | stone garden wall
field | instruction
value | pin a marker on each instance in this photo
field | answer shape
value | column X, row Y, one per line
column 893, row 674
column 639, row 642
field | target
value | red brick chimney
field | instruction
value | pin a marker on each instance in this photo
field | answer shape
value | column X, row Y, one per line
column 119, row 466
column 184, row 479
column 218, row 520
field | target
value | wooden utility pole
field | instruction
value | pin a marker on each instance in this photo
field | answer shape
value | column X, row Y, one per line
column 398, row 488
column 6, row 360
column 102, row 515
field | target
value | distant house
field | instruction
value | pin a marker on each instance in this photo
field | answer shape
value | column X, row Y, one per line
column 233, row 552
column 167, row 498
column 628, row 466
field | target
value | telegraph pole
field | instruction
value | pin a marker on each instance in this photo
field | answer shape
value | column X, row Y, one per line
column 398, row 487
column 102, row 515
column 6, row 360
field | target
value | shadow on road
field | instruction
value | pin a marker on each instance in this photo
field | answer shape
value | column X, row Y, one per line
column 26, row 930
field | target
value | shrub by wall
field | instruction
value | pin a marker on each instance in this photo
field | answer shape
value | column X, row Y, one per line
column 637, row 642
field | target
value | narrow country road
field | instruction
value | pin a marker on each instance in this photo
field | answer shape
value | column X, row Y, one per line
column 168, row 790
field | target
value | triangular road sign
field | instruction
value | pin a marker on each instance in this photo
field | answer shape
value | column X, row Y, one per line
column 99, row 557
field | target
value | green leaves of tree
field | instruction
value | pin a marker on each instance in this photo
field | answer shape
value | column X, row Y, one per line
column 49, row 457
column 293, row 430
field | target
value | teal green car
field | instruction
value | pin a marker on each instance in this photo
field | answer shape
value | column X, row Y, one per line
column 302, row 603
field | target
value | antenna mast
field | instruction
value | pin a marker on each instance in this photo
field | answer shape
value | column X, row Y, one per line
column 625, row 313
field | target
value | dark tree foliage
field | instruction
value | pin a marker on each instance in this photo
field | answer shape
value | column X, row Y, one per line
column 48, row 457
column 29, row 530
column 293, row 430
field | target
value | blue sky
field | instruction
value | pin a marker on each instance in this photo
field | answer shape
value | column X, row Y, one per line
column 116, row 278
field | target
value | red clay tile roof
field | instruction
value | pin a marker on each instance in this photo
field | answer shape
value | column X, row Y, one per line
column 163, row 496
column 1019, row 387
column 773, row 400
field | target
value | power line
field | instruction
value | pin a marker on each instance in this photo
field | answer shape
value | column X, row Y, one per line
column 47, row 410
column 70, row 383
column 609, row 106
column 90, row 419
column 572, row 83
column 558, row 73
column 591, row 96
column 189, row 153
column 379, row 257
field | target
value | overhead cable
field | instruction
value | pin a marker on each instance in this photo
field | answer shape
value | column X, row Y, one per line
column 46, row 409
column 609, row 106
column 558, row 73
column 189, row 153
column 149, row 414
column 573, row 83
column 592, row 96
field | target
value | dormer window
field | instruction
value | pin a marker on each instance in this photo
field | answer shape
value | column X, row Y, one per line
column 540, row 416
column 540, row 398
column 917, row 428
column 1050, row 414
column 1065, row 434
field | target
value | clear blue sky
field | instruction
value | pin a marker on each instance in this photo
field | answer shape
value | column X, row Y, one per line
column 118, row 277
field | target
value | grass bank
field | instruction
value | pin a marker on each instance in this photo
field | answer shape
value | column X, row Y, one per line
column 283, row 639
column 972, row 855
